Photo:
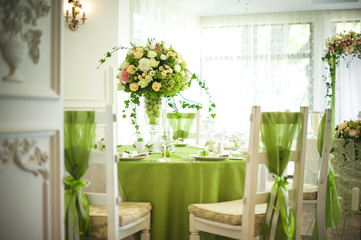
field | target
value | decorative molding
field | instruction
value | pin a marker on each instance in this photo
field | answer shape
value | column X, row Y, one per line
column 28, row 93
column 29, row 157
column 17, row 37
column 89, row 103
column 6, row 153
column 26, row 154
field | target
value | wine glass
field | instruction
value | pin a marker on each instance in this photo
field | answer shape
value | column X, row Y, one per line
column 165, row 136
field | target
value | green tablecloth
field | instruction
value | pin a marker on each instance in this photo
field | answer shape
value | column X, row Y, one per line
column 171, row 186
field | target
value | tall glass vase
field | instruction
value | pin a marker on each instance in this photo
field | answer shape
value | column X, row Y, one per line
column 153, row 107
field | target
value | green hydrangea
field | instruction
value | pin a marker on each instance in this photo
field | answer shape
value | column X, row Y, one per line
column 171, row 84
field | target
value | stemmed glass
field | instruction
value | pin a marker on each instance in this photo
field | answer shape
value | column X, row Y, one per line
column 165, row 136
column 230, row 139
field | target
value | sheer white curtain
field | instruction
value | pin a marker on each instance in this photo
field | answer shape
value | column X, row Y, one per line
column 348, row 74
column 166, row 22
column 257, row 59
column 272, row 60
column 349, row 86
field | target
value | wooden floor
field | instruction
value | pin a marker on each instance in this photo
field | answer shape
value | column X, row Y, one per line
column 349, row 230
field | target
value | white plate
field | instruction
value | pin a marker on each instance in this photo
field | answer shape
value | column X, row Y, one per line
column 131, row 158
column 206, row 158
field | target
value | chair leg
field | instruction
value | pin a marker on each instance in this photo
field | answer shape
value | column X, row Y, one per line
column 194, row 233
column 194, row 236
column 145, row 235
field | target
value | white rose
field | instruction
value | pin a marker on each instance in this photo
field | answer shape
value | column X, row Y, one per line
column 178, row 61
column 154, row 63
column 124, row 65
column 187, row 77
column 121, row 86
column 143, row 83
column 144, row 64
column 151, row 73
column 352, row 133
column 152, row 54
column 163, row 57
column 177, row 68
column 182, row 72
column 148, row 78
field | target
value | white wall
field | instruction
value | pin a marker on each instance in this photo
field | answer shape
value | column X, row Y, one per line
column 107, row 26
column 85, row 86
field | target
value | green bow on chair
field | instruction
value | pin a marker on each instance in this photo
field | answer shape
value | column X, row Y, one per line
column 73, row 195
column 79, row 138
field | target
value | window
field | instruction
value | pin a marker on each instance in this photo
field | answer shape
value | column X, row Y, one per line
column 269, row 65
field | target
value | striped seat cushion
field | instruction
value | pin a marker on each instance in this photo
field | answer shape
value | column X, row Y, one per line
column 128, row 213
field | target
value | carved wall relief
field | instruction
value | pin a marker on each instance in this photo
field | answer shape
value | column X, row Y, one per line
column 17, row 36
column 26, row 155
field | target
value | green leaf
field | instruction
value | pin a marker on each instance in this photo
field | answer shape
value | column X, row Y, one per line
column 109, row 54
column 213, row 115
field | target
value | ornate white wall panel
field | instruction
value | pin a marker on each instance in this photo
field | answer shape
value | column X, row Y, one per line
column 31, row 120
column 26, row 161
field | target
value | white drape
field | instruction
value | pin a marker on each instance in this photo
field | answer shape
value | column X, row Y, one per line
column 272, row 60
column 349, row 87
column 348, row 74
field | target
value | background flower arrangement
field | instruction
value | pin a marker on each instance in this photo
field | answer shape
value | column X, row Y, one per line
column 351, row 129
column 154, row 72
column 341, row 45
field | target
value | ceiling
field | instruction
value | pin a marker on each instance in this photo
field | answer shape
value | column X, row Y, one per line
column 233, row 7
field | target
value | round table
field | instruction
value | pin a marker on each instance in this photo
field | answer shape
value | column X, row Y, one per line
column 171, row 186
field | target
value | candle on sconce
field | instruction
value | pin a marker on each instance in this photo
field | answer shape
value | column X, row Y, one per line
column 83, row 14
column 355, row 203
column 67, row 13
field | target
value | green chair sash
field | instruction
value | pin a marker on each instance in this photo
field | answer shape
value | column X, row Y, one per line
column 333, row 211
column 278, row 133
column 181, row 125
column 79, row 138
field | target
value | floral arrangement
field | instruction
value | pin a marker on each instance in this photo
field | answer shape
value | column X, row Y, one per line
column 341, row 45
column 154, row 72
column 346, row 130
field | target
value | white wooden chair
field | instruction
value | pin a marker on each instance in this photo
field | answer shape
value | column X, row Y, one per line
column 242, row 219
column 314, row 197
column 110, row 217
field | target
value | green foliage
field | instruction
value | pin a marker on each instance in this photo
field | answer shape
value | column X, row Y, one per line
column 171, row 84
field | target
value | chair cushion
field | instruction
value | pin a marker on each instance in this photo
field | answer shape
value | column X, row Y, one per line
column 310, row 192
column 128, row 213
column 228, row 213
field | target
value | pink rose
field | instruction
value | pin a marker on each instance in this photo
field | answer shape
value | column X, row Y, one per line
column 331, row 48
column 158, row 47
column 343, row 46
column 125, row 76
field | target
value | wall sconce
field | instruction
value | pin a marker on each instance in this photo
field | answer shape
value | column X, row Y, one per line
column 71, row 18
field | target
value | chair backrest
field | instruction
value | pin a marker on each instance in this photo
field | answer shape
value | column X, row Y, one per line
column 186, row 121
column 109, row 157
column 256, row 157
column 322, row 182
